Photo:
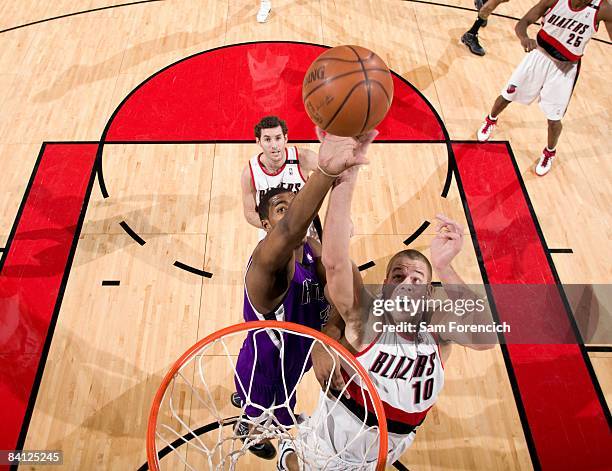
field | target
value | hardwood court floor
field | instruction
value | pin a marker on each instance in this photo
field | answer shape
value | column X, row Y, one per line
column 61, row 80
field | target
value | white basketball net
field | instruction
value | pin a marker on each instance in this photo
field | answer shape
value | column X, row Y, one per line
column 197, row 425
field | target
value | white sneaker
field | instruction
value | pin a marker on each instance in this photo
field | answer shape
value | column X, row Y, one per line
column 486, row 130
column 285, row 448
column 545, row 162
column 264, row 11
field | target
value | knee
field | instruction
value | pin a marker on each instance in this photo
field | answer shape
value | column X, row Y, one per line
column 555, row 125
column 490, row 6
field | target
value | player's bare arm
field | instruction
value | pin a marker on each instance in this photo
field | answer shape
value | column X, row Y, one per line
column 344, row 283
column 530, row 18
column 605, row 15
column 272, row 265
column 248, row 199
column 444, row 248
column 336, row 259
column 324, row 361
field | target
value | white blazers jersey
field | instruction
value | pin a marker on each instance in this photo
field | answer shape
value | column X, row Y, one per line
column 288, row 176
column 408, row 376
column 565, row 31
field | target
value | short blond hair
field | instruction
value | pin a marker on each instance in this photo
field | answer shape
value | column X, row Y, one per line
column 412, row 255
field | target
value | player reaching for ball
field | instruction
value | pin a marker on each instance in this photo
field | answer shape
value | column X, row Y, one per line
column 276, row 166
column 550, row 69
column 284, row 281
column 406, row 369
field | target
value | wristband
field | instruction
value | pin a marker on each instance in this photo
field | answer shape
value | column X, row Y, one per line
column 327, row 174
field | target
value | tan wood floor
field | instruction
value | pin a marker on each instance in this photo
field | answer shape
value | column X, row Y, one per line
column 61, row 80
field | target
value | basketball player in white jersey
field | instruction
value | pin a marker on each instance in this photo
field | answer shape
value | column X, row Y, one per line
column 265, row 7
column 406, row 369
column 277, row 165
column 550, row 69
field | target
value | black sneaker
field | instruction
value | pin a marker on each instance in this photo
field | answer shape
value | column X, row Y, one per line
column 236, row 400
column 264, row 450
column 471, row 41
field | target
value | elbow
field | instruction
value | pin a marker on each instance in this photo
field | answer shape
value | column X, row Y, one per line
column 330, row 260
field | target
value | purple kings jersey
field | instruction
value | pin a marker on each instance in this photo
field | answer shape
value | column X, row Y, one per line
column 305, row 304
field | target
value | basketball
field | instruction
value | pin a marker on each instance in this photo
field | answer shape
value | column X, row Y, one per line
column 347, row 90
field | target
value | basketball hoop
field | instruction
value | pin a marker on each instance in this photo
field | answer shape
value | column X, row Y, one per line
column 192, row 421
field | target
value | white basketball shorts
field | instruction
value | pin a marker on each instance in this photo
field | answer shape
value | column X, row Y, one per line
column 339, row 441
column 547, row 79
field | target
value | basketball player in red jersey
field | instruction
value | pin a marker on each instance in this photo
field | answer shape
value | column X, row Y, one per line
column 406, row 368
column 550, row 69
column 276, row 166
column 470, row 37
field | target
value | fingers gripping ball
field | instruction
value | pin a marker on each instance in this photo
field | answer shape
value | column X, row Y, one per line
column 347, row 90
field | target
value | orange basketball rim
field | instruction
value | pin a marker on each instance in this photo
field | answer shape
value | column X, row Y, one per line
column 341, row 351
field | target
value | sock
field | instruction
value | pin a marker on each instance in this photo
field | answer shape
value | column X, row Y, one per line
column 492, row 118
column 553, row 150
column 476, row 26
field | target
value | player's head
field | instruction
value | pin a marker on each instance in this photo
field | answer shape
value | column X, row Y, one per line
column 273, row 206
column 271, row 135
column 408, row 267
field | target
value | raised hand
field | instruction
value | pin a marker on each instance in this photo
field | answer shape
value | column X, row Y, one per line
column 337, row 154
column 447, row 243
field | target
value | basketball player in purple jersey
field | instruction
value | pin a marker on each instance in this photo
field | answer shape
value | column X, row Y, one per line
column 276, row 165
column 284, row 281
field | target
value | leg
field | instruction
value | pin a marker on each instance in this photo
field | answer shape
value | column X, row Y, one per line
column 548, row 154
column 256, row 395
column 554, row 99
column 487, row 128
column 500, row 105
column 554, row 132
column 489, row 7
column 470, row 38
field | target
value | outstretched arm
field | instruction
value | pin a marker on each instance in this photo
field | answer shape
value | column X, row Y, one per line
column 530, row 18
column 344, row 284
column 336, row 258
column 444, row 248
column 272, row 263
